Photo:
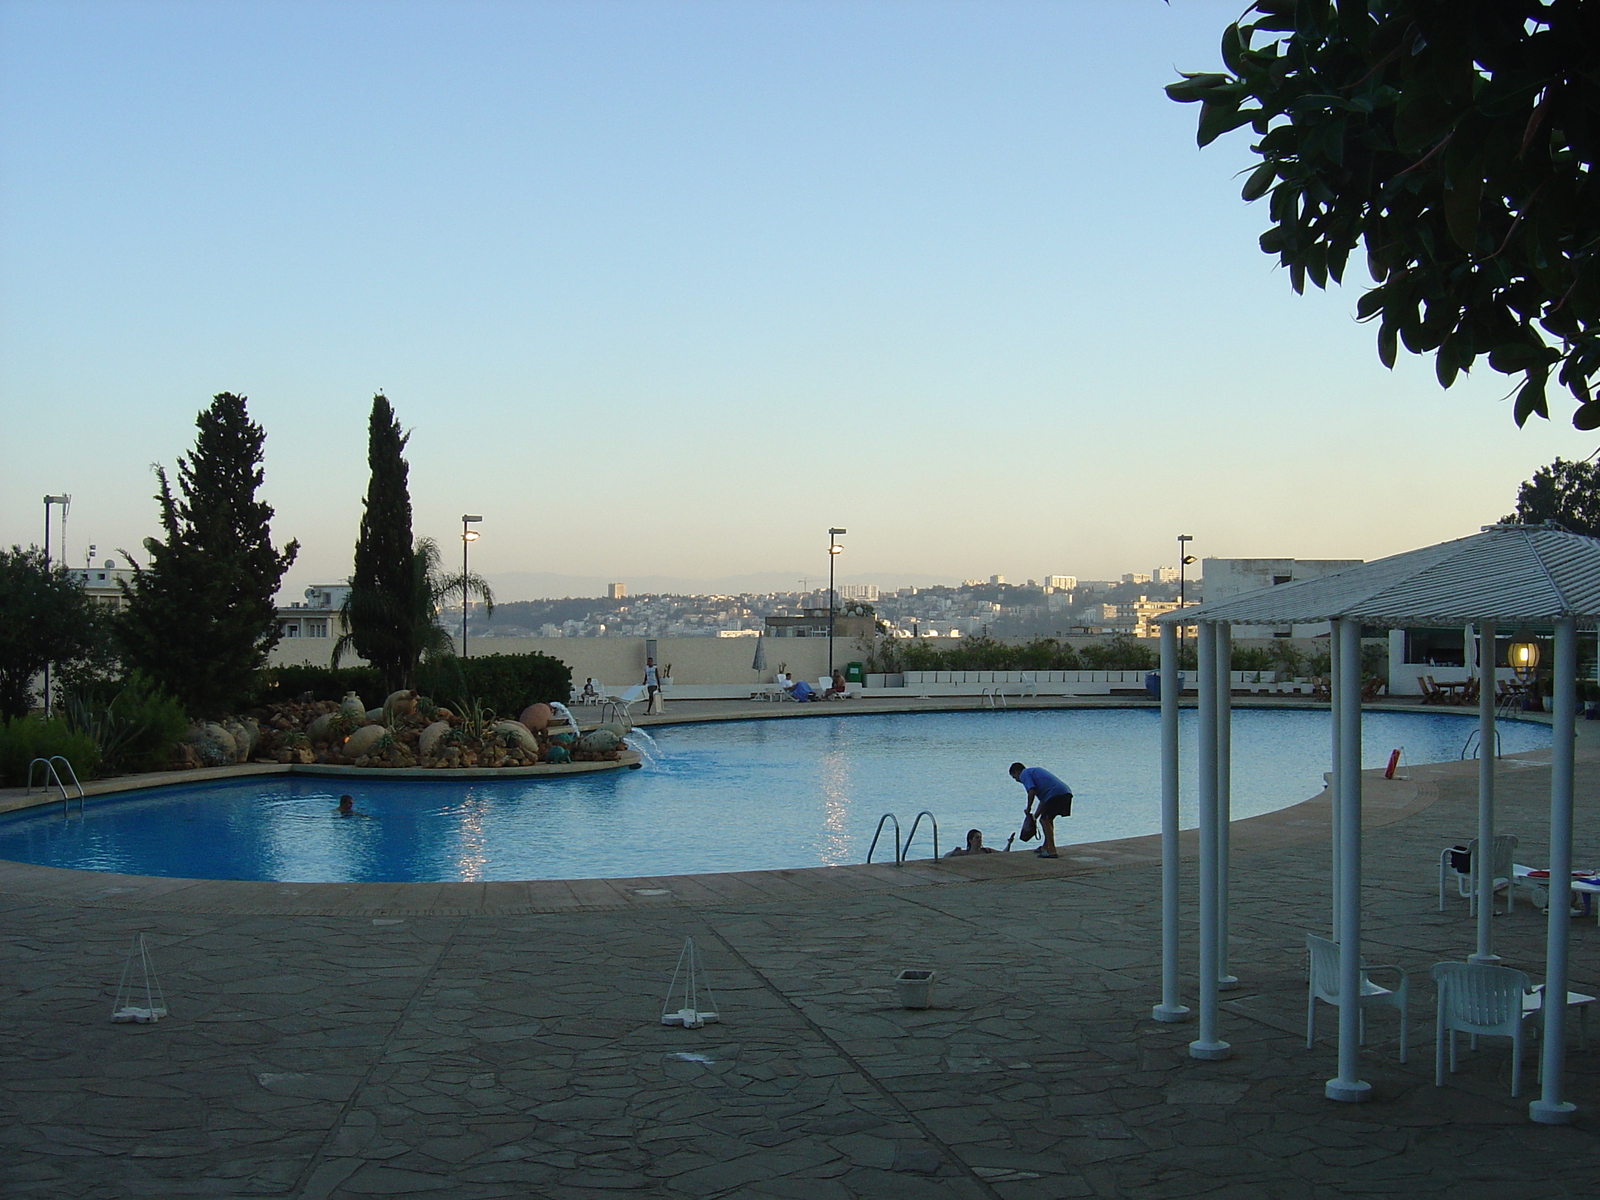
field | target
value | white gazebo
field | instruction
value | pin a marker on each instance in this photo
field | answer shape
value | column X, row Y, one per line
column 1505, row 576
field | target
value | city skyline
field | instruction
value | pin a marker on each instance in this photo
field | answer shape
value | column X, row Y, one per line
column 664, row 290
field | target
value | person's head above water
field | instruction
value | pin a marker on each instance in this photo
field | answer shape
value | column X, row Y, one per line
column 1017, row 769
column 347, row 804
column 974, row 839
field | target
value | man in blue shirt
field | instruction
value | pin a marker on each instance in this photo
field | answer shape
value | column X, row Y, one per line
column 1054, row 797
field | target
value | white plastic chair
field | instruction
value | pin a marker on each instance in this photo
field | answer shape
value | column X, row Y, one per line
column 1501, row 854
column 1479, row 999
column 1322, row 983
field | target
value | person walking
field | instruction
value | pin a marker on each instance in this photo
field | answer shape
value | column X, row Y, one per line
column 1054, row 798
column 652, row 685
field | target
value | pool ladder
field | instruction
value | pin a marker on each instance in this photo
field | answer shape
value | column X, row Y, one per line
column 51, row 775
column 1474, row 743
column 901, row 851
column 995, row 697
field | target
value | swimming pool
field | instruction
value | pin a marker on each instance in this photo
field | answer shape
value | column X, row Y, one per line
column 745, row 795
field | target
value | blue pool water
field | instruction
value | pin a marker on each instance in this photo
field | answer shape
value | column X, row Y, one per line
column 745, row 795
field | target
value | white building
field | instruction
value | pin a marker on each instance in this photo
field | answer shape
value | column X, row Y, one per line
column 859, row 591
column 1165, row 574
column 1061, row 583
column 103, row 584
column 315, row 618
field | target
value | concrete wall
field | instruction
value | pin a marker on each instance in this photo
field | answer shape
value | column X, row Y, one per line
column 618, row 662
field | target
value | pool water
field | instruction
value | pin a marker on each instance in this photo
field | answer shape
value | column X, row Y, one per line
column 746, row 795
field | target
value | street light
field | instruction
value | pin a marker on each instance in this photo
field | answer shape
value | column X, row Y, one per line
column 1183, row 561
column 1522, row 654
column 834, row 550
column 468, row 536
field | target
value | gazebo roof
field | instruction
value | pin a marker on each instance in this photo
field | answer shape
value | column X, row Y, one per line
column 1506, row 573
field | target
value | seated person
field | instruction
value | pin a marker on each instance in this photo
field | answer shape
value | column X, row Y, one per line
column 838, row 687
column 801, row 690
column 974, row 845
column 590, row 693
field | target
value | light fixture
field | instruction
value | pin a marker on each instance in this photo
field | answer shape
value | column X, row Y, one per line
column 1522, row 655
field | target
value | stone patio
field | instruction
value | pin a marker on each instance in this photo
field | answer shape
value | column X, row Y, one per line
column 502, row 1040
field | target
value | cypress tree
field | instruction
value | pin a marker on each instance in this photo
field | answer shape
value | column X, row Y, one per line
column 379, row 612
column 200, row 617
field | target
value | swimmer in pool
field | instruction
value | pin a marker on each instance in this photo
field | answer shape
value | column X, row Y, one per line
column 347, row 808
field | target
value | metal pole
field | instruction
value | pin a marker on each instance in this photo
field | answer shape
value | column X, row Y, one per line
column 465, row 542
column 1550, row 1108
column 1484, row 866
column 1208, row 1045
column 48, row 501
column 1170, row 1008
column 831, row 557
column 1224, row 636
column 1347, row 1085
column 1336, row 773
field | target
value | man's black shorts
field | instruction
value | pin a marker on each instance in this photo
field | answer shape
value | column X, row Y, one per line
column 1056, row 806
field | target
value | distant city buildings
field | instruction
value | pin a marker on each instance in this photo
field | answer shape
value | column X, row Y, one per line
column 859, row 591
column 616, row 591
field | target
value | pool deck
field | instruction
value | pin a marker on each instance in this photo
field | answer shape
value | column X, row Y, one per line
column 502, row 1040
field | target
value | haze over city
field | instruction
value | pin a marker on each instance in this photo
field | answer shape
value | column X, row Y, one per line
column 664, row 290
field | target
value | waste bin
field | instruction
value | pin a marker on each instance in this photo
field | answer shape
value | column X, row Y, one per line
column 855, row 672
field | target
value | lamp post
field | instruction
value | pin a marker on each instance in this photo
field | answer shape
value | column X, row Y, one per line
column 64, row 502
column 468, row 536
column 1183, row 561
column 833, row 553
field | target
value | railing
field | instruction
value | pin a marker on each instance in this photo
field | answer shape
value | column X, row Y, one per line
column 995, row 697
column 905, row 852
column 51, row 775
column 879, row 832
column 1473, row 745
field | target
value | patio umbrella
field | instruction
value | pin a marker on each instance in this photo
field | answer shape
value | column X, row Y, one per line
column 759, row 663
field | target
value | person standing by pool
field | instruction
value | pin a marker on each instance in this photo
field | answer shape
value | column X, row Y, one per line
column 652, row 685
column 1054, row 797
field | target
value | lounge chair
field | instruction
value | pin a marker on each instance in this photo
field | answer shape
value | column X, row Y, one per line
column 1451, row 860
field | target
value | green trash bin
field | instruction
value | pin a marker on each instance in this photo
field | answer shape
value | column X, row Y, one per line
column 855, row 672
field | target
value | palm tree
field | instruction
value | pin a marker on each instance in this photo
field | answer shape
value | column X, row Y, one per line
column 417, row 612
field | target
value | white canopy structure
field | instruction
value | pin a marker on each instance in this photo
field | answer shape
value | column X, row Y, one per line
column 1505, row 575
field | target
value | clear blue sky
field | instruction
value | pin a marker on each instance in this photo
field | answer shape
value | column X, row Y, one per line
column 667, row 288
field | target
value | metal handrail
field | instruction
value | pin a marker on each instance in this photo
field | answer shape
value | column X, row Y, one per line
column 51, row 775
column 996, row 696
column 878, row 832
column 1468, row 749
column 932, row 820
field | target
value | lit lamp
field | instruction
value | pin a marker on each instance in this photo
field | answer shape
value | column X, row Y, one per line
column 834, row 550
column 468, row 536
column 1523, row 654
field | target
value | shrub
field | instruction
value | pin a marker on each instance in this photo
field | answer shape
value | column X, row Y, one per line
column 1120, row 653
column 135, row 731
column 24, row 739
column 506, row 683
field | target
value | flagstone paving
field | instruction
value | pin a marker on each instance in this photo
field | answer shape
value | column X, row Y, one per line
column 480, row 1042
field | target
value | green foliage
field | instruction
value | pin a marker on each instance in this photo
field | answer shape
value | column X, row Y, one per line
column 1457, row 144
column 1119, row 653
column 24, row 739
column 134, row 732
column 1375, row 661
column 392, row 610
column 970, row 654
column 44, row 618
column 200, row 617
column 279, row 685
column 379, row 611
column 1565, row 492
column 506, row 683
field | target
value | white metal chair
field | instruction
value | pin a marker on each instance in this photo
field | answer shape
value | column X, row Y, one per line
column 1501, row 853
column 1479, row 999
column 1322, row 983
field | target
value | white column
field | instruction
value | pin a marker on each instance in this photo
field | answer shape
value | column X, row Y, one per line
column 1208, row 1045
column 1485, row 864
column 1336, row 768
column 1348, row 1085
column 1549, row 1108
column 1225, row 981
column 1170, row 1008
